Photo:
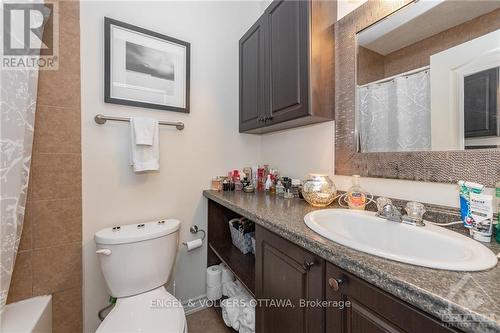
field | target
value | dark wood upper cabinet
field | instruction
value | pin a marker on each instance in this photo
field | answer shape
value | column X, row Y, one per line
column 371, row 309
column 481, row 107
column 286, row 272
column 252, row 76
column 287, row 67
column 288, row 60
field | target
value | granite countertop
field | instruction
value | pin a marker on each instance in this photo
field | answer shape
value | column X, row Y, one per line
column 440, row 293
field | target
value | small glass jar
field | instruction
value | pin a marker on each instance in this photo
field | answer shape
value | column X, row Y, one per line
column 319, row 190
column 217, row 184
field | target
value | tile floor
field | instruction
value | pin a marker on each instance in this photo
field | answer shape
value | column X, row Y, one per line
column 206, row 321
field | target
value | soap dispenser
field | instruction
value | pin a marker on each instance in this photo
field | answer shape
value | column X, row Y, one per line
column 356, row 196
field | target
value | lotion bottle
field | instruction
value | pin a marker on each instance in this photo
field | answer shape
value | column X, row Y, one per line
column 356, row 196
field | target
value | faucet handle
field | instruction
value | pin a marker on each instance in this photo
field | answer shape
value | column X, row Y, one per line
column 387, row 210
column 381, row 203
column 415, row 211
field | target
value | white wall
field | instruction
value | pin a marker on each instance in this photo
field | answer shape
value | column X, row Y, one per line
column 208, row 146
column 299, row 151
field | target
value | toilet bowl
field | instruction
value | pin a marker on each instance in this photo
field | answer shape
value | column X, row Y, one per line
column 137, row 260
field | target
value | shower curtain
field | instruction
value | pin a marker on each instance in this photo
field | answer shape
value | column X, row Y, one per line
column 18, row 94
column 18, row 104
column 395, row 115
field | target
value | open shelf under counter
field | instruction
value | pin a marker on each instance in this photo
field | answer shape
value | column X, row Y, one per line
column 242, row 265
column 221, row 248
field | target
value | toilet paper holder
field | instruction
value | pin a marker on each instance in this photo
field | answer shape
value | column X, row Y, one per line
column 194, row 230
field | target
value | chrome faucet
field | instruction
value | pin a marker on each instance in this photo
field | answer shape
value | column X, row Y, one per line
column 388, row 211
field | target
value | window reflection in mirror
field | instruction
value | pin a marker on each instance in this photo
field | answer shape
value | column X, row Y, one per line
column 428, row 78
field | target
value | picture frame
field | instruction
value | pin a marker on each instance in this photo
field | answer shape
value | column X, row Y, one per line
column 143, row 68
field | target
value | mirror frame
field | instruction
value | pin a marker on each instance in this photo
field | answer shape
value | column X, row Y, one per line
column 477, row 165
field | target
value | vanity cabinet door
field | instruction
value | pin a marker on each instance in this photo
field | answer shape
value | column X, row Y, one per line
column 284, row 272
column 371, row 310
column 252, row 87
column 288, row 56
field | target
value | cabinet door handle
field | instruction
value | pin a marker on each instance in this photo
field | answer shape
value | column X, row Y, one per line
column 307, row 264
column 335, row 283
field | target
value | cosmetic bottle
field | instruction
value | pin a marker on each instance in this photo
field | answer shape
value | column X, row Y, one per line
column 280, row 189
column 296, row 185
column 261, row 180
column 356, row 196
column 238, row 186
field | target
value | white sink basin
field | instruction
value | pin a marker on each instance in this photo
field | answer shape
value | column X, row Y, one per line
column 429, row 246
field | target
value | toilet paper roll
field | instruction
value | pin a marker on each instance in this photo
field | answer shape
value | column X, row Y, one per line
column 194, row 244
column 227, row 275
column 214, row 276
column 214, row 293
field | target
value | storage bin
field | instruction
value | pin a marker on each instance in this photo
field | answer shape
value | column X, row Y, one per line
column 241, row 239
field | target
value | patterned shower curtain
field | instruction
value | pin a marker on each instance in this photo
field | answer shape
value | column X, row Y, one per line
column 395, row 115
column 18, row 95
column 18, row 104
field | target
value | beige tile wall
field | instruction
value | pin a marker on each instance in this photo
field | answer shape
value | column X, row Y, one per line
column 50, row 257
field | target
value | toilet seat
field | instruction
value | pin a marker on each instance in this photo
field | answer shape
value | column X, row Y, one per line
column 152, row 312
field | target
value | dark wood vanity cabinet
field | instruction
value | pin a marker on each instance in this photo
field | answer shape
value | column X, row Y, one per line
column 285, row 271
column 282, row 276
column 282, row 82
column 370, row 309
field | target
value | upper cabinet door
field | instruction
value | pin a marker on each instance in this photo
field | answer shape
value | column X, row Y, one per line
column 288, row 60
column 252, row 77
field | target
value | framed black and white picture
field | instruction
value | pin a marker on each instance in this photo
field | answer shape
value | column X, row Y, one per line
column 144, row 68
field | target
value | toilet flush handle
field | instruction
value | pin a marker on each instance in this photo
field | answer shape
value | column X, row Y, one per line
column 105, row 252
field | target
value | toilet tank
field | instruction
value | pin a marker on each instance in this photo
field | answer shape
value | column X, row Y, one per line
column 136, row 258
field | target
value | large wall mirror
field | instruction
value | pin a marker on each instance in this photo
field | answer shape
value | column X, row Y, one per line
column 425, row 79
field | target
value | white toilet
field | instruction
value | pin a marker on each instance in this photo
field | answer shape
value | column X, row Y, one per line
column 137, row 261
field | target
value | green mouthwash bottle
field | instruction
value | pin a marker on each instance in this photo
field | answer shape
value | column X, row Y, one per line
column 497, row 195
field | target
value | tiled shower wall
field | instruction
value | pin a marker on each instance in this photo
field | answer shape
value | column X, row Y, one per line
column 50, row 257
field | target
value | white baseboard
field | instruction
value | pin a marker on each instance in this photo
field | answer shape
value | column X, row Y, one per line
column 195, row 304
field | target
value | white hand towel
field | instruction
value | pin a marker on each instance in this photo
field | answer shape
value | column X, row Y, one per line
column 144, row 157
column 145, row 130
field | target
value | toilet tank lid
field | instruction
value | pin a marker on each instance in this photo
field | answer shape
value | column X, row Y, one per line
column 137, row 232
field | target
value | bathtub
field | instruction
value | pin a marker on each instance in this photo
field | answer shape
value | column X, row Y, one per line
column 32, row 315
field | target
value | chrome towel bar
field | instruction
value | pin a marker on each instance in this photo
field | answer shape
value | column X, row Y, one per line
column 100, row 119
